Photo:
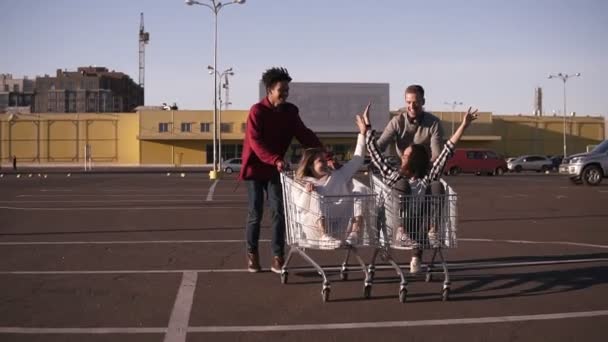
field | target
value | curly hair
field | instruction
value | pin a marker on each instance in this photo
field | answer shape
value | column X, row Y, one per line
column 273, row 75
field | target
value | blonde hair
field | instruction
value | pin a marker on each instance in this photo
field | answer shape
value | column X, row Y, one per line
column 308, row 158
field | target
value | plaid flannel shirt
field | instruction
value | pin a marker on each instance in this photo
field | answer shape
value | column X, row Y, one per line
column 391, row 175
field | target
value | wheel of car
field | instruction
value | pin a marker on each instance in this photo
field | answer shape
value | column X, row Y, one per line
column 228, row 170
column 454, row 171
column 499, row 171
column 518, row 168
column 592, row 175
column 544, row 169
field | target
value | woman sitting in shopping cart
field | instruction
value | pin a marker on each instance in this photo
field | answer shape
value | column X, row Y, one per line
column 316, row 176
column 413, row 178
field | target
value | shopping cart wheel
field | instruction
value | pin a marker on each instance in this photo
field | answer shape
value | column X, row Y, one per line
column 402, row 295
column 325, row 294
column 445, row 294
column 284, row 277
column 429, row 277
column 367, row 291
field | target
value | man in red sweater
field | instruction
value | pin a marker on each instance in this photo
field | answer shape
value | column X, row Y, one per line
column 271, row 126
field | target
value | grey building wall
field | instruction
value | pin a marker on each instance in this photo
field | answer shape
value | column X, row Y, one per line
column 331, row 107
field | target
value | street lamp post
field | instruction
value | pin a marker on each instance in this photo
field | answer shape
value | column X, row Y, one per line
column 215, row 6
column 453, row 104
column 564, row 78
column 225, row 73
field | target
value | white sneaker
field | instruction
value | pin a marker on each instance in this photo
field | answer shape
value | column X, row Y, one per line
column 329, row 242
column 415, row 265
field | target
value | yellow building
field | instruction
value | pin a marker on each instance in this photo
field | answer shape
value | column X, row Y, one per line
column 184, row 137
column 61, row 138
column 513, row 135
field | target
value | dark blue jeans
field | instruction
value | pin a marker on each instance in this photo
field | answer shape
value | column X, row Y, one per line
column 255, row 193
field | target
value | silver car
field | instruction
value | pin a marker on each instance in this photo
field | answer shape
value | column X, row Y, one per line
column 232, row 165
column 530, row 163
column 588, row 168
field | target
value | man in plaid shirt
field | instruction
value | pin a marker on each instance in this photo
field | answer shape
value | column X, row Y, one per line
column 411, row 177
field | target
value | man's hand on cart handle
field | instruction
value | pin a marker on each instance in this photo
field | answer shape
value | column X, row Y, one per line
column 309, row 187
column 280, row 165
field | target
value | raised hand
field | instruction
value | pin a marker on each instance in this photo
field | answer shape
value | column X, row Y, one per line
column 362, row 120
column 469, row 117
column 366, row 113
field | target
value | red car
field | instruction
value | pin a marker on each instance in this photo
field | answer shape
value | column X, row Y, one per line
column 478, row 161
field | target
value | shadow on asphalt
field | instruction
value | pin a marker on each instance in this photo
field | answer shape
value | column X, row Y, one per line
column 488, row 285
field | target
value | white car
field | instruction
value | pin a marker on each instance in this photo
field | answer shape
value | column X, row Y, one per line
column 232, row 165
column 530, row 163
column 588, row 168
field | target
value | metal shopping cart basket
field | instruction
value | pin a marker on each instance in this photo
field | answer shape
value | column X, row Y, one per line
column 426, row 222
column 321, row 222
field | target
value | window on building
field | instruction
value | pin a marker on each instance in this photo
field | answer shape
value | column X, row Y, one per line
column 6, row 87
column 243, row 127
column 205, row 127
column 186, row 127
column 226, row 127
column 16, row 88
column 163, row 127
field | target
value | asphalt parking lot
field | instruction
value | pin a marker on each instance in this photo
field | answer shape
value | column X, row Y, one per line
column 151, row 257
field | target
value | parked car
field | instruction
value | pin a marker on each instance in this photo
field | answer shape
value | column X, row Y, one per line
column 478, row 161
column 530, row 163
column 588, row 168
column 556, row 160
column 232, row 165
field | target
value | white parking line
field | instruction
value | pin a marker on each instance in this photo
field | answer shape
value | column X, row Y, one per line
column 134, row 242
column 116, row 208
column 309, row 327
column 211, row 191
column 126, row 242
column 180, row 316
column 567, row 243
column 399, row 324
column 454, row 266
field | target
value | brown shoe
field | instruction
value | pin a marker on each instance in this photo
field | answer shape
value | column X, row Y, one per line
column 277, row 264
column 253, row 262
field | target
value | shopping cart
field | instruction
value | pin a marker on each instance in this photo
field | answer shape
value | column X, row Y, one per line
column 321, row 222
column 426, row 222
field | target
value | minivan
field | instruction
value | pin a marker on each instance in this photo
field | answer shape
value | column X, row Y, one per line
column 477, row 161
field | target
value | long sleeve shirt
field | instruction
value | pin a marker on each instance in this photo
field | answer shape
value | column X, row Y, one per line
column 390, row 175
column 269, row 133
column 400, row 131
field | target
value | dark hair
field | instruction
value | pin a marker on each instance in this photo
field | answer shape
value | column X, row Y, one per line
column 419, row 162
column 308, row 158
column 415, row 89
column 271, row 76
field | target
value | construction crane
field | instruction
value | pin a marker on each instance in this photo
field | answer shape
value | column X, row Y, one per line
column 144, row 37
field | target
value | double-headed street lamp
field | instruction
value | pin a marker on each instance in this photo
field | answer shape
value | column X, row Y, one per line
column 564, row 78
column 225, row 73
column 453, row 104
column 215, row 7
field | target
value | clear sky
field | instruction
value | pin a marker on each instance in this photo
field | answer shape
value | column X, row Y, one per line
column 486, row 53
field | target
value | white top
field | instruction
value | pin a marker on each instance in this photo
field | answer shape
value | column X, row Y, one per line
column 338, row 182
